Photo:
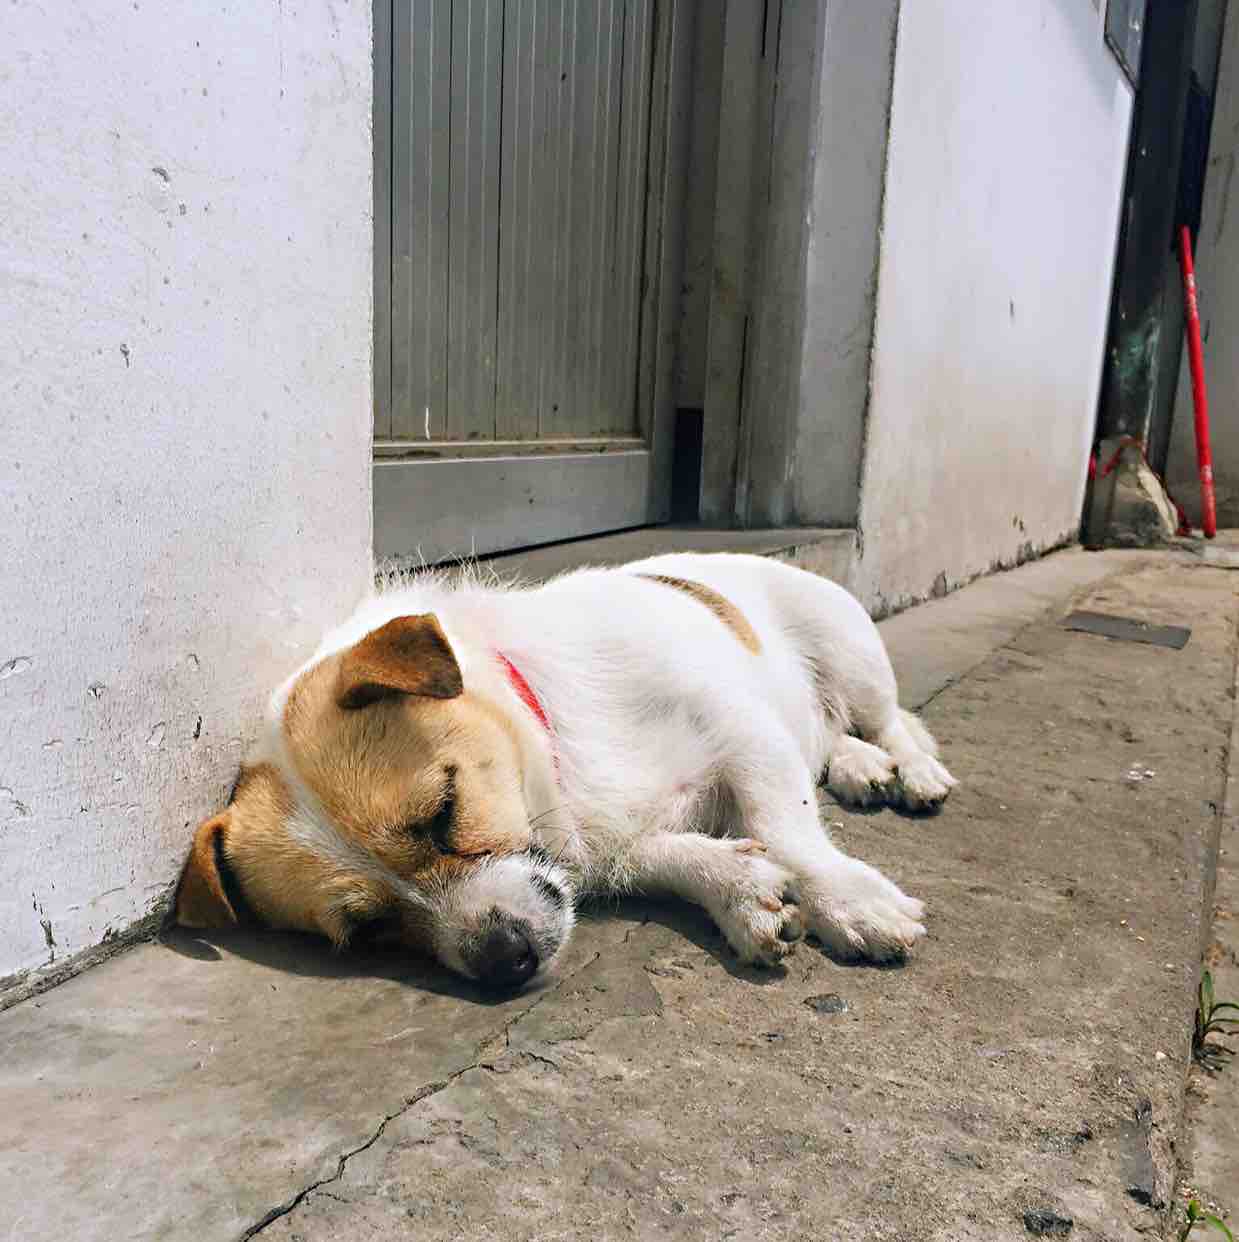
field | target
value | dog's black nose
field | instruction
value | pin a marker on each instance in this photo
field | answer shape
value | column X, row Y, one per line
column 508, row 960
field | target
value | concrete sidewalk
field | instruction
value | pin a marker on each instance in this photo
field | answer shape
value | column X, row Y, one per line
column 1026, row 1069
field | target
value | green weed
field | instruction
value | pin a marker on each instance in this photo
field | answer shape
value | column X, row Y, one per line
column 1196, row 1215
column 1209, row 1023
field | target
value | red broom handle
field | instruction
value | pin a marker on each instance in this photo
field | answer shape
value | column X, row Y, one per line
column 1200, row 395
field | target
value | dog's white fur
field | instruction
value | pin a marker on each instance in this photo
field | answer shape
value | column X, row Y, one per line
column 680, row 761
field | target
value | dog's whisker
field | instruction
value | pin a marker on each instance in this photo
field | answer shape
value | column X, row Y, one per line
column 543, row 814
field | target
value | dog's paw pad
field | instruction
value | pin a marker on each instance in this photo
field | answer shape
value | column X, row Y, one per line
column 747, row 845
column 924, row 784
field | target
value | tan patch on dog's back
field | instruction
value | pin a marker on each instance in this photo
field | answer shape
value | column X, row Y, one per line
column 719, row 605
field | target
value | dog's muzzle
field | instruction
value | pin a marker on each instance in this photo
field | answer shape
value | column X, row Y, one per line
column 506, row 922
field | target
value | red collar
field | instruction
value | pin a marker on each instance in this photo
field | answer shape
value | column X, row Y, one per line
column 525, row 692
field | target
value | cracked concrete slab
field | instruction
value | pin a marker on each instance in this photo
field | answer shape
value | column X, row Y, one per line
column 191, row 1089
column 1018, row 1069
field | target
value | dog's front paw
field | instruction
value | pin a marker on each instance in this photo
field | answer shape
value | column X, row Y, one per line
column 756, row 908
column 924, row 783
column 856, row 912
column 860, row 773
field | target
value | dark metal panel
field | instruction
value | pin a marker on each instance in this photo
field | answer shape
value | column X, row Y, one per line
column 1128, row 629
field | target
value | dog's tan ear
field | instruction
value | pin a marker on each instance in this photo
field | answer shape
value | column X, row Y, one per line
column 410, row 655
column 201, row 897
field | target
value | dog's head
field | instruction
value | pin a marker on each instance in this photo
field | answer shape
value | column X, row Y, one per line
column 393, row 805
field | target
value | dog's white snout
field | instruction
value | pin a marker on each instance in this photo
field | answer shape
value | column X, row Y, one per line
column 507, row 922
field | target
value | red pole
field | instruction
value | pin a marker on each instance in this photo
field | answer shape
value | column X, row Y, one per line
column 1200, row 396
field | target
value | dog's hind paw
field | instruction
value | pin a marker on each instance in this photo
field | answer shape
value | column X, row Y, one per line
column 860, row 773
column 924, row 783
column 856, row 912
column 756, row 909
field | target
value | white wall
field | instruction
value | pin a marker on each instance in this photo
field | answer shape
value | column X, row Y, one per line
column 184, row 480
column 1217, row 276
column 1005, row 171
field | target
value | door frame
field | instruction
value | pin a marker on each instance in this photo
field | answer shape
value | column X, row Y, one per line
column 431, row 507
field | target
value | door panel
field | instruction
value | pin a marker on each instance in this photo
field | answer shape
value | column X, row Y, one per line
column 530, row 186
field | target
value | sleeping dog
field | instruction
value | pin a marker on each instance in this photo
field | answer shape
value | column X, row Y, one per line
column 462, row 760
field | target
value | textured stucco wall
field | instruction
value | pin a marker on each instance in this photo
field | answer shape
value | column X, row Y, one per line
column 1217, row 275
column 1009, row 125
column 184, row 481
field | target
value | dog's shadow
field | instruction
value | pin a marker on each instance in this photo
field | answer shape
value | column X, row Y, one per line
column 310, row 956
column 829, row 804
column 695, row 926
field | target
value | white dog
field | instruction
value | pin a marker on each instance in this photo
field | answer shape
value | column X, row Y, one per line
column 461, row 759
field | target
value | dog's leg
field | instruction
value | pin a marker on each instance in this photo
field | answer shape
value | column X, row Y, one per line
column 750, row 897
column 852, row 908
column 894, row 759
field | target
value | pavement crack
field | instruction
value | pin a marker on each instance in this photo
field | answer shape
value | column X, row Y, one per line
column 542, row 997
column 422, row 1093
column 949, row 684
column 542, row 1058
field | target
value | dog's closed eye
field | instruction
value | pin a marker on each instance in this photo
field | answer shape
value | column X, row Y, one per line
column 440, row 827
column 363, row 931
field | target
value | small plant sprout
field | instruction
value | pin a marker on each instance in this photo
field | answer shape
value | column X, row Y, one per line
column 1196, row 1215
column 1209, row 1023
